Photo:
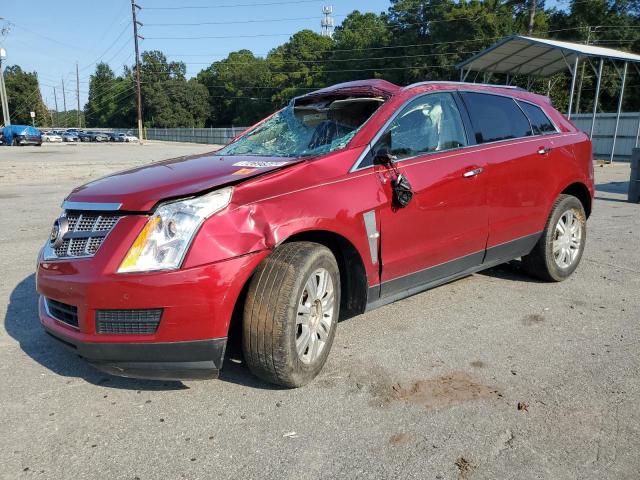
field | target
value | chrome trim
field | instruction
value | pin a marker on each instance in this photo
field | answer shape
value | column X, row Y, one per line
column 451, row 82
column 457, row 258
column 49, row 253
column 516, row 100
column 50, row 315
column 543, row 112
column 472, row 173
column 376, row 137
column 370, row 225
column 94, row 206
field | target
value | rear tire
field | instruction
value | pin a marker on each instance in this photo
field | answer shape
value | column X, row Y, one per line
column 559, row 250
column 291, row 313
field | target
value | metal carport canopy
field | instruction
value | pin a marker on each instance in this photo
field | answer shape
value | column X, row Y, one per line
column 520, row 55
column 542, row 57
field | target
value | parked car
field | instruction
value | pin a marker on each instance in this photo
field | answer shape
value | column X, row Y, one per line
column 349, row 198
column 70, row 137
column 127, row 137
column 113, row 136
column 51, row 137
column 100, row 137
column 22, row 135
column 91, row 136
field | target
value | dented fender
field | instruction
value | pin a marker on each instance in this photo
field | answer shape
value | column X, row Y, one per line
column 259, row 219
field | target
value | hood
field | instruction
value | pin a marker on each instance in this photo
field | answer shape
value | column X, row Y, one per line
column 139, row 189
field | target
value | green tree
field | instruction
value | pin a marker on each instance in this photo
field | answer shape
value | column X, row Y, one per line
column 239, row 89
column 298, row 65
column 359, row 50
column 23, row 93
column 168, row 99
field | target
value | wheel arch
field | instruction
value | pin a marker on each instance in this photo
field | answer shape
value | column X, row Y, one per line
column 353, row 279
column 353, row 276
column 581, row 192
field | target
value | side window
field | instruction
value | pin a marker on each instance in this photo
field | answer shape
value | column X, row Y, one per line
column 539, row 120
column 495, row 118
column 429, row 123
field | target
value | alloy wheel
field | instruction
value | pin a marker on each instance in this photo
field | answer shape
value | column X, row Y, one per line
column 315, row 314
column 567, row 239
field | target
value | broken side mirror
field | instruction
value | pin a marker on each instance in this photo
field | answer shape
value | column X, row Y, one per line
column 382, row 156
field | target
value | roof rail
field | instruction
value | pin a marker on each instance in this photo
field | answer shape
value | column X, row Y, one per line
column 431, row 82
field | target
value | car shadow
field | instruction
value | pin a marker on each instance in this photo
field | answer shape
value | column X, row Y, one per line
column 21, row 322
column 613, row 187
column 510, row 271
column 606, row 199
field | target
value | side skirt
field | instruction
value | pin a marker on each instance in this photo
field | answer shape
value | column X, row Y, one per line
column 431, row 277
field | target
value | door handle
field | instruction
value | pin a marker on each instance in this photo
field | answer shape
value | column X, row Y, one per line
column 472, row 173
column 543, row 150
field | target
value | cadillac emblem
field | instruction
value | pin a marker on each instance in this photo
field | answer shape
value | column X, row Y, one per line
column 58, row 231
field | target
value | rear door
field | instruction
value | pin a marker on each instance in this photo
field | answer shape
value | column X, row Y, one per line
column 517, row 172
column 443, row 230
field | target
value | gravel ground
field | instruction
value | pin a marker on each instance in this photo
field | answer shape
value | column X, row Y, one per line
column 493, row 376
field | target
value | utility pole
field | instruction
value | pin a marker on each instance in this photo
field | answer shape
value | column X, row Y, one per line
column 64, row 103
column 532, row 15
column 78, row 93
column 55, row 101
column 135, row 38
column 3, row 92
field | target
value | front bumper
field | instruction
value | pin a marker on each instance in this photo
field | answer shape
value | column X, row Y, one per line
column 191, row 360
column 197, row 305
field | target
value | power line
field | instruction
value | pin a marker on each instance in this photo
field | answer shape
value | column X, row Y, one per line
column 126, row 27
column 234, row 5
column 233, row 22
column 224, row 63
column 386, row 47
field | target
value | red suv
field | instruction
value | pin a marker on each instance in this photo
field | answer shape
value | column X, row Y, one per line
column 349, row 198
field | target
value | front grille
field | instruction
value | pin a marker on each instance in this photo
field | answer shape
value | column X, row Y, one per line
column 64, row 313
column 128, row 322
column 86, row 233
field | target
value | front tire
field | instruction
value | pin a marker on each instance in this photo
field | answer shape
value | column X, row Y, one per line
column 559, row 250
column 291, row 313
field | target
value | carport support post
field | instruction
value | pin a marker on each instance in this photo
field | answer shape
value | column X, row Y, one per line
column 615, row 131
column 573, row 85
column 595, row 100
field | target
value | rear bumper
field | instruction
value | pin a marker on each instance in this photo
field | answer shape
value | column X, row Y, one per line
column 27, row 140
column 190, row 360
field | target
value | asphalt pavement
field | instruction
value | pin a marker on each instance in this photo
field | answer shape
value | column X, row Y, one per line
column 495, row 376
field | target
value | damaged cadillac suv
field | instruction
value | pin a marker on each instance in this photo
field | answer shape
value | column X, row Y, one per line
column 349, row 198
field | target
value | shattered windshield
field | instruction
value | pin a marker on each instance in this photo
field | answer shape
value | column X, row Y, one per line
column 299, row 131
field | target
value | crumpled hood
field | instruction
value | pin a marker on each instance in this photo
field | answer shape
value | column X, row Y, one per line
column 141, row 188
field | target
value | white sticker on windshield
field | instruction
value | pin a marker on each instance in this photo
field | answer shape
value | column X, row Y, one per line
column 259, row 164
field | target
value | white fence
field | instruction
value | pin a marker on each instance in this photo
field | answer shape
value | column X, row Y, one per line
column 218, row 136
column 603, row 133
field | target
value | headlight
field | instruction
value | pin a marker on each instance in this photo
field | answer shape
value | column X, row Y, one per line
column 164, row 240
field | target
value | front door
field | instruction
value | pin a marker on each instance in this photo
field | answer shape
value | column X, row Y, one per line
column 443, row 230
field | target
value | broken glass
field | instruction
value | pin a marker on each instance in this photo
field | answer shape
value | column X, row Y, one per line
column 306, row 130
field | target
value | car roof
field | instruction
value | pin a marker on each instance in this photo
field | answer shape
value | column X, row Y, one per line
column 507, row 90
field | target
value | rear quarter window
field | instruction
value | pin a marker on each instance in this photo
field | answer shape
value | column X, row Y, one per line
column 495, row 117
column 540, row 123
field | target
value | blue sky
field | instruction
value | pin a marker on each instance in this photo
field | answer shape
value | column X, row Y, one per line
column 51, row 37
